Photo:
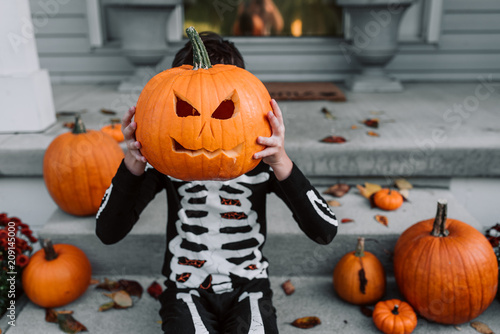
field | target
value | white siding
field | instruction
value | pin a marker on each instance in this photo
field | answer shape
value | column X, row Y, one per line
column 469, row 46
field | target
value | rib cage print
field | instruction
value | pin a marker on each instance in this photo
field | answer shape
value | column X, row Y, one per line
column 218, row 234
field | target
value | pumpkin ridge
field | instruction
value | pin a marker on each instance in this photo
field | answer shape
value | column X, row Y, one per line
column 447, row 244
column 428, row 278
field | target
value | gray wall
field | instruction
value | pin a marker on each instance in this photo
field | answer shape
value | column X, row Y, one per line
column 469, row 46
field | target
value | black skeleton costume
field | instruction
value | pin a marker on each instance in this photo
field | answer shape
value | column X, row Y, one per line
column 215, row 229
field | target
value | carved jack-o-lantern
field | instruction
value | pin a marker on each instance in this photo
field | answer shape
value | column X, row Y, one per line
column 202, row 122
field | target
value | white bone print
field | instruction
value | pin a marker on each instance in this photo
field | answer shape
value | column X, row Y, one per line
column 218, row 235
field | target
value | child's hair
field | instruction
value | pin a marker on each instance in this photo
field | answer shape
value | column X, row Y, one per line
column 219, row 50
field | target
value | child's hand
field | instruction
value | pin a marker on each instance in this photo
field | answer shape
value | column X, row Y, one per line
column 134, row 160
column 274, row 154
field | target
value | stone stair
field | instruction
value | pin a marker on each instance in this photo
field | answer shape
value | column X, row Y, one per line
column 415, row 141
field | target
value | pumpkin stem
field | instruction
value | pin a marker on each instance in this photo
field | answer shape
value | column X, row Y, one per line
column 200, row 54
column 395, row 310
column 360, row 247
column 79, row 126
column 48, row 247
column 439, row 227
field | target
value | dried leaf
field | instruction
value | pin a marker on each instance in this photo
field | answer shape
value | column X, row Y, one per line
column 362, row 280
column 108, row 111
column 369, row 189
column 371, row 122
column 376, row 112
column 70, row 112
column 106, row 306
column 68, row 324
column 334, row 139
column 333, row 203
column 373, row 134
column 50, row 315
column 69, row 125
column 288, row 287
column 458, row 328
column 481, row 327
column 405, row 193
column 338, row 190
column 382, row 220
column 155, row 290
column 367, row 312
column 121, row 298
column 306, row 322
column 132, row 287
column 346, row 220
column 403, row 184
column 354, row 127
column 94, row 281
column 115, row 120
column 109, row 285
column 327, row 113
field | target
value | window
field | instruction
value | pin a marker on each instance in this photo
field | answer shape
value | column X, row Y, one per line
column 265, row 17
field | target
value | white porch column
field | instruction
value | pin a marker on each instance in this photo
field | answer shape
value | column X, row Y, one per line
column 26, row 102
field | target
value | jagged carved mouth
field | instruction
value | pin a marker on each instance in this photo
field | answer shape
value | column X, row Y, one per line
column 232, row 153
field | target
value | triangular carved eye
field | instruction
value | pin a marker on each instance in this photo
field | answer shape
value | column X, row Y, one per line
column 184, row 109
column 225, row 110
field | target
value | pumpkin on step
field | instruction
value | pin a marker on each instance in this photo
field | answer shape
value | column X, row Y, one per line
column 387, row 199
column 359, row 277
column 202, row 122
column 56, row 275
column 446, row 269
column 115, row 131
column 78, row 167
column 394, row 317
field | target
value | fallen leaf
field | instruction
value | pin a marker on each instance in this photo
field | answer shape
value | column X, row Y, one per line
column 115, row 120
column 94, row 281
column 132, row 287
column 382, row 220
column 68, row 324
column 377, row 112
column 108, row 111
column 458, row 328
column 327, row 113
column 334, row 139
column 338, row 190
column 347, row 220
column 367, row 312
column 109, row 285
column 306, row 322
column 403, row 184
column 288, row 287
column 69, row 125
column 354, row 127
column 405, row 193
column 371, row 122
column 106, row 306
column 70, row 112
column 333, row 203
column 373, row 134
column 121, row 299
column 50, row 315
column 481, row 327
column 369, row 189
column 155, row 290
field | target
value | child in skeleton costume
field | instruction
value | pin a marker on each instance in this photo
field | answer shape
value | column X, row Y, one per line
column 216, row 274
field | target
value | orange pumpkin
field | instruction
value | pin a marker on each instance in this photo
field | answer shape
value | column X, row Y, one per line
column 78, row 167
column 115, row 131
column 202, row 122
column 56, row 275
column 394, row 317
column 446, row 269
column 387, row 199
column 359, row 277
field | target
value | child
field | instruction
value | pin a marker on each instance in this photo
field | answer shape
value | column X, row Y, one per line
column 216, row 274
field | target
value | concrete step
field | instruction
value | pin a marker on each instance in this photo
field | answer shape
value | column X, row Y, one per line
column 424, row 131
column 314, row 296
column 288, row 250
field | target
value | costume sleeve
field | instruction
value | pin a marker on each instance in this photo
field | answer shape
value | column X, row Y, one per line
column 124, row 201
column 309, row 209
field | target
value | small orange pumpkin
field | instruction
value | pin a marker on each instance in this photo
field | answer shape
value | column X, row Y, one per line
column 115, row 131
column 394, row 317
column 202, row 122
column 388, row 199
column 359, row 277
column 78, row 167
column 56, row 275
column 446, row 269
